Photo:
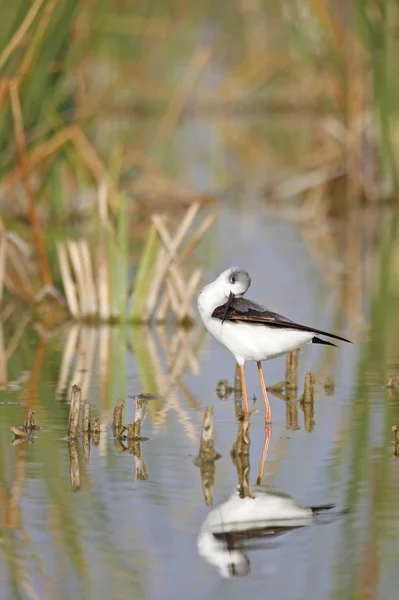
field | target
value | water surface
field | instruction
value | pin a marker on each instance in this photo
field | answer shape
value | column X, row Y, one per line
column 132, row 528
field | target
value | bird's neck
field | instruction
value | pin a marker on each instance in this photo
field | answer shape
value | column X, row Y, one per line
column 208, row 300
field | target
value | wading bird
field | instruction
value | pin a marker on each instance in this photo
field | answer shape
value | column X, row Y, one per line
column 251, row 331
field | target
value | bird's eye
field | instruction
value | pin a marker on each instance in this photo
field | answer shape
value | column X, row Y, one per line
column 232, row 279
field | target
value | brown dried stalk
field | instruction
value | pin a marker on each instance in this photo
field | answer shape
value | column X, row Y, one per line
column 22, row 30
column 23, row 163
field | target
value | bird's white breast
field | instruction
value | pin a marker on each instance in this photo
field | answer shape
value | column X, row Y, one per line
column 256, row 342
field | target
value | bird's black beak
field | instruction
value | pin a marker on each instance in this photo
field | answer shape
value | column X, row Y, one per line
column 228, row 304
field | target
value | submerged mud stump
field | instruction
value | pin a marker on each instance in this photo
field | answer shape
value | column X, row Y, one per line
column 74, row 412
column 117, row 426
column 74, row 464
column 395, row 432
column 207, row 456
column 329, row 385
column 307, row 402
column 141, row 408
column 27, row 430
column 240, row 454
column 291, row 371
column 223, row 389
column 86, row 417
column 291, row 414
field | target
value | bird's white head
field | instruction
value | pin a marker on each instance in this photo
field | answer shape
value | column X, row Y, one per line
column 232, row 282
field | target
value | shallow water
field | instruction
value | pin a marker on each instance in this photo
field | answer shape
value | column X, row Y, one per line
column 133, row 526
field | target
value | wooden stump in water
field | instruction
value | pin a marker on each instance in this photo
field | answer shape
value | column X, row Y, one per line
column 307, row 402
column 207, row 456
column 291, row 371
column 396, row 438
column 74, row 464
column 86, row 417
column 240, row 454
column 118, row 427
column 74, row 412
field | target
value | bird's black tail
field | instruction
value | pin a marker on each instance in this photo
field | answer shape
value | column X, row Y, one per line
column 317, row 340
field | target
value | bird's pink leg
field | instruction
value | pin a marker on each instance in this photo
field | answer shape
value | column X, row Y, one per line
column 268, row 433
column 268, row 412
column 243, row 388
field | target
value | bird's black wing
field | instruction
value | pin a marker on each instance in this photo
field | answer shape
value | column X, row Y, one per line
column 243, row 310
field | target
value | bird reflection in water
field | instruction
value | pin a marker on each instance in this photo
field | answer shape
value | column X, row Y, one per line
column 251, row 514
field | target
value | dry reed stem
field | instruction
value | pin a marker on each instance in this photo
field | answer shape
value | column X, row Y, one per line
column 17, row 336
column 38, row 155
column 163, row 261
column 87, row 153
column 192, row 286
column 13, row 286
column 89, row 277
column 23, row 163
column 250, row 73
column 67, row 359
column 183, row 357
column 165, row 303
column 166, row 385
column 89, row 344
column 104, row 362
column 67, row 280
column 331, row 29
column 103, row 283
column 7, row 312
column 21, row 32
column 21, row 271
column 3, row 252
column 36, row 40
column 174, row 271
column 102, row 204
column 3, row 361
column 182, row 91
column 141, row 26
column 117, row 426
column 74, row 412
column 94, row 164
column 197, row 236
column 77, row 265
column 4, row 89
